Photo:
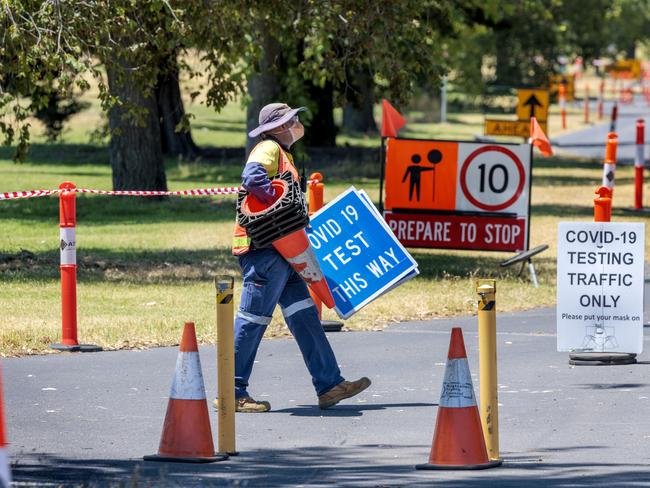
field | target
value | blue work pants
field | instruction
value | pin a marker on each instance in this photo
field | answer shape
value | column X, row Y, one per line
column 269, row 280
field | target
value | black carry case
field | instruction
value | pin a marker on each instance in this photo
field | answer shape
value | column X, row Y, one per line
column 286, row 215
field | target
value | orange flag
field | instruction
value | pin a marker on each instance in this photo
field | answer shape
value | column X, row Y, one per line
column 539, row 139
column 391, row 120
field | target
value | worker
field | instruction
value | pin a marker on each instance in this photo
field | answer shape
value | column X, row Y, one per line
column 268, row 279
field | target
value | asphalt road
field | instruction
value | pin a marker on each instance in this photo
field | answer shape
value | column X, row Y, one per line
column 590, row 142
column 91, row 417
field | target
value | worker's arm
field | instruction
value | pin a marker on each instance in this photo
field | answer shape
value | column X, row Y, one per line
column 262, row 163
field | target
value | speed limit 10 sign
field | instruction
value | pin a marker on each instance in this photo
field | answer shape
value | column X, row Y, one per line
column 458, row 195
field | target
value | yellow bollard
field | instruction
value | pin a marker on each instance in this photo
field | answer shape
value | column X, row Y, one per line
column 225, row 365
column 487, row 341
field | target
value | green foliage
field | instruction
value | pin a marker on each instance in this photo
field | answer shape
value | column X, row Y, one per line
column 523, row 41
column 49, row 49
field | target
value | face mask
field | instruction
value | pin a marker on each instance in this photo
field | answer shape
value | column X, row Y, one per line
column 296, row 133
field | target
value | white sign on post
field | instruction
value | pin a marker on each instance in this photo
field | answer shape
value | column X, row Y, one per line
column 600, row 287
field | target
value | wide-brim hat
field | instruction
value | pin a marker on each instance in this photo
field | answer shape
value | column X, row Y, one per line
column 274, row 115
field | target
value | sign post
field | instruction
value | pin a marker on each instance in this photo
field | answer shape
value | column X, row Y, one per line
column 600, row 282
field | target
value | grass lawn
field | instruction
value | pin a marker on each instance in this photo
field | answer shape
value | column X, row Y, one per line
column 146, row 266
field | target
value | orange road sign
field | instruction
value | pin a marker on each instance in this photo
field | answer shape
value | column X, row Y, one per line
column 421, row 174
column 518, row 128
column 532, row 103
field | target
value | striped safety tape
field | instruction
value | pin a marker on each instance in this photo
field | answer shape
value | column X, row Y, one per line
column 227, row 190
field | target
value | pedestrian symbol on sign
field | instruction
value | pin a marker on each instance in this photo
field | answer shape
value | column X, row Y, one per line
column 414, row 175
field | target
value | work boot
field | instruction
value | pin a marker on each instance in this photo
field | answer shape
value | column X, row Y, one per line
column 246, row 405
column 345, row 389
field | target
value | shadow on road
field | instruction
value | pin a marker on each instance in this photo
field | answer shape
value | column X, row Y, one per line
column 346, row 410
column 612, row 386
column 366, row 465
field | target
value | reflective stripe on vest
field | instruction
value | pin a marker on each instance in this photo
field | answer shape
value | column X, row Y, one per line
column 241, row 241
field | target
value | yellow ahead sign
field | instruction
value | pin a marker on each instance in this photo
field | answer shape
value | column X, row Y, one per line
column 532, row 103
column 518, row 128
column 625, row 68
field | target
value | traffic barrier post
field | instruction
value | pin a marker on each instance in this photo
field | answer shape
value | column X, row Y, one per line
column 586, row 104
column 603, row 205
column 609, row 165
column 315, row 196
column 562, row 101
column 639, row 160
column 487, row 339
column 612, row 124
column 68, row 267
column 315, row 193
column 225, row 365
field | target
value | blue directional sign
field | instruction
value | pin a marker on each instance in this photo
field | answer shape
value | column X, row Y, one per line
column 358, row 253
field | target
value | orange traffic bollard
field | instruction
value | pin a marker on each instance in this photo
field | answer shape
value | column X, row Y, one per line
column 603, row 205
column 68, row 266
column 609, row 165
column 639, row 160
column 315, row 193
column 586, row 102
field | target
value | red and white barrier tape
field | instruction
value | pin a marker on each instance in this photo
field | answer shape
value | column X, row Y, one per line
column 226, row 190
column 130, row 193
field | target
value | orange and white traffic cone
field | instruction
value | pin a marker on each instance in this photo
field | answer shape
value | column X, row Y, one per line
column 186, row 435
column 295, row 248
column 5, row 471
column 458, row 441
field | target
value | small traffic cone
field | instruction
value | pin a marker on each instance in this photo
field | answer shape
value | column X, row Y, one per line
column 295, row 248
column 186, row 435
column 5, row 471
column 458, row 441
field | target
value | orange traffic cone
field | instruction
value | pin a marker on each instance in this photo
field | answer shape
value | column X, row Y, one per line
column 186, row 435
column 5, row 472
column 458, row 441
column 295, row 248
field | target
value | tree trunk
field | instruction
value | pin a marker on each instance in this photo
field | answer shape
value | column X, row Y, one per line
column 263, row 84
column 135, row 148
column 322, row 130
column 175, row 141
column 507, row 72
column 358, row 113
